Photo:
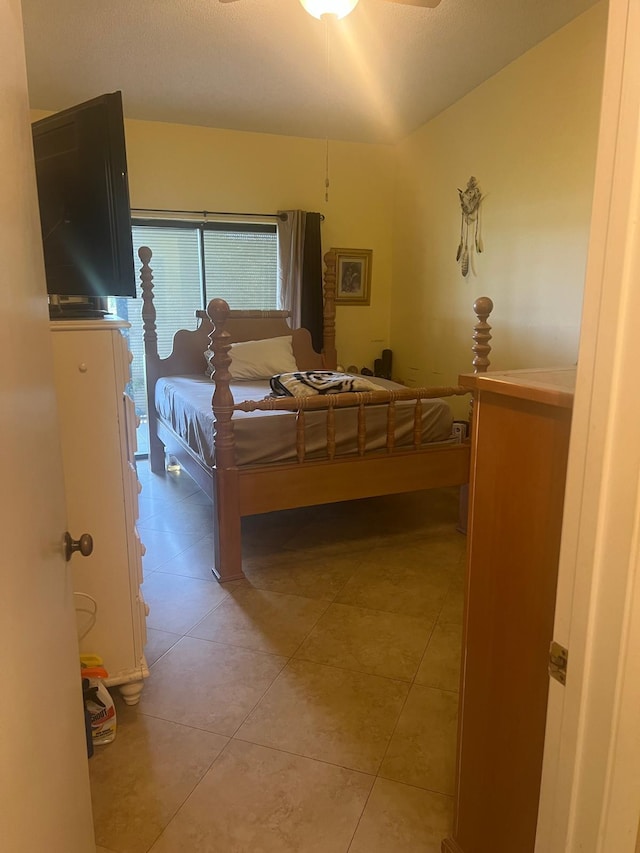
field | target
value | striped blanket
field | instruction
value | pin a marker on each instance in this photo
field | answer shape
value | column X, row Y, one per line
column 308, row 382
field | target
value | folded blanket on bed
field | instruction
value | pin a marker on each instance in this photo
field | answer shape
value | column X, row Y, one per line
column 307, row 382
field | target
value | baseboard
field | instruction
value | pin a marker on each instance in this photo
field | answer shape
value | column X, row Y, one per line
column 450, row 845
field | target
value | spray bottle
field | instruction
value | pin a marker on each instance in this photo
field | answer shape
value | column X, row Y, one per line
column 99, row 703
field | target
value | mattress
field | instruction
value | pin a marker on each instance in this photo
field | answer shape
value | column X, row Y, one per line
column 261, row 438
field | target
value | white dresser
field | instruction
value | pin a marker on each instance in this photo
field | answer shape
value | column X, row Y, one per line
column 98, row 435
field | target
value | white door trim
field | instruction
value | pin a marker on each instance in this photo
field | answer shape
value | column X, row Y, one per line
column 589, row 795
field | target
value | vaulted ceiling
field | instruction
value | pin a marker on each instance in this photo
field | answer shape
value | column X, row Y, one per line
column 268, row 66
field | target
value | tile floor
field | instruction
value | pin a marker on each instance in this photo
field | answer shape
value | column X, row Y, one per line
column 311, row 708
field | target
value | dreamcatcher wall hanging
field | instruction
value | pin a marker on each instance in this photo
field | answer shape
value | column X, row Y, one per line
column 470, row 237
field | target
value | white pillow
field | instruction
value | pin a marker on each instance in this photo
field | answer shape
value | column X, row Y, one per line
column 261, row 359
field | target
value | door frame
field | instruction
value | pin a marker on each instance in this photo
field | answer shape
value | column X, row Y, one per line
column 589, row 799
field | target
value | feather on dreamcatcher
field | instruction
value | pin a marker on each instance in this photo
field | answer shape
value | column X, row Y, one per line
column 470, row 198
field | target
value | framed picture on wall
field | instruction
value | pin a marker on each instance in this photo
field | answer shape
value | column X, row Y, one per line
column 353, row 276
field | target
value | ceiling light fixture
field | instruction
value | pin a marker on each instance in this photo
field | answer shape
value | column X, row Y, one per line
column 339, row 8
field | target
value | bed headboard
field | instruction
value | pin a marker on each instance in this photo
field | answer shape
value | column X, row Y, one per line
column 258, row 326
column 187, row 356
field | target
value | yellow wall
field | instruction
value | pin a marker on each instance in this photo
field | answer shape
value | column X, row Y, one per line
column 196, row 168
column 529, row 135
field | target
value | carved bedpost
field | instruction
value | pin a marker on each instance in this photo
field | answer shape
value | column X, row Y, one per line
column 329, row 312
column 151, row 358
column 148, row 308
column 228, row 548
column 483, row 306
column 222, row 400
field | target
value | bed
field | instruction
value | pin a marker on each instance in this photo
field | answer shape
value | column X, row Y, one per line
column 253, row 452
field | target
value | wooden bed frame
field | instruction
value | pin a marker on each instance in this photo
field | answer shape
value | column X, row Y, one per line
column 241, row 491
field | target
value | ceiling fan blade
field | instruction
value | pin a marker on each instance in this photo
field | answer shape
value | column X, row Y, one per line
column 426, row 4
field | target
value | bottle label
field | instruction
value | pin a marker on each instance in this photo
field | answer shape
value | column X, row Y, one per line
column 102, row 713
column 101, row 716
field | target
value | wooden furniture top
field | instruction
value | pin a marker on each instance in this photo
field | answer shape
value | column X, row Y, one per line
column 552, row 386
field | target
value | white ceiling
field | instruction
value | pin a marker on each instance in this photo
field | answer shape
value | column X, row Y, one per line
column 261, row 65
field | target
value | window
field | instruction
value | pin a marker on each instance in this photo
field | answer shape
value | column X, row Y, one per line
column 193, row 263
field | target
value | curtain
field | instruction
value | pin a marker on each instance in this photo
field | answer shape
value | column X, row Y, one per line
column 290, row 262
column 300, row 271
column 311, row 314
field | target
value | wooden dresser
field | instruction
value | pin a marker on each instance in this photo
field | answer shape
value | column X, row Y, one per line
column 98, row 436
column 519, row 457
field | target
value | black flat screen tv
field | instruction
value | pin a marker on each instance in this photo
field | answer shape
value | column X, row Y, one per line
column 85, row 212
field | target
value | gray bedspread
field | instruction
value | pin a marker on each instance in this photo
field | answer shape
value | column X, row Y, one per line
column 184, row 402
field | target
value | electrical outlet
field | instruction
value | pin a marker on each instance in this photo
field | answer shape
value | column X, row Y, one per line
column 460, row 430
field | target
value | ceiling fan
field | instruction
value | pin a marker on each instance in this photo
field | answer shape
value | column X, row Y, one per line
column 340, row 8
